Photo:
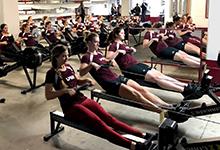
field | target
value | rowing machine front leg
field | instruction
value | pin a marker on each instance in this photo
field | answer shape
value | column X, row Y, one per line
column 53, row 130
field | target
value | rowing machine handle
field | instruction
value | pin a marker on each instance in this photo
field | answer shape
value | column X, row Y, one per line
column 107, row 65
column 83, row 86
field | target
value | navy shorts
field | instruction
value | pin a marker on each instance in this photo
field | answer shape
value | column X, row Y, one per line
column 168, row 53
column 180, row 45
column 113, row 86
column 137, row 71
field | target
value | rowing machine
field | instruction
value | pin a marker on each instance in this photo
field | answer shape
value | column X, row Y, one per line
column 29, row 58
column 167, row 128
column 77, row 44
column 208, row 89
column 186, row 112
column 98, row 94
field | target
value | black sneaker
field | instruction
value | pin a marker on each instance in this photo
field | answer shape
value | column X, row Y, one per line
column 192, row 91
column 188, row 90
column 198, row 93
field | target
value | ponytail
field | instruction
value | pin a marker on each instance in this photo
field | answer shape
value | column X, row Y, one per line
column 112, row 36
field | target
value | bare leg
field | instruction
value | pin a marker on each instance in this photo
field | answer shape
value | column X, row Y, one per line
column 130, row 93
column 193, row 57
column 164, row 81
column 146, row 94
column 183, row 57
column 192, row 48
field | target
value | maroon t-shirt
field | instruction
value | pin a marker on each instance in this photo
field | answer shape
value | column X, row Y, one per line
column 80, row 28
column 92, row 27
column 28, row 39
column 184, row 27
column 161, row 45
column 9, row 39
column 102, row 74
column 68, row 76
column 2, row 39
column 126, row 60
column 172, row 39
column 51, row 36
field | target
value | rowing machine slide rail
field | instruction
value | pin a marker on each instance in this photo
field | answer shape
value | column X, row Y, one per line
column 199, row 144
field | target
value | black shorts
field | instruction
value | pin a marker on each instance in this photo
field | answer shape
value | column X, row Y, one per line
column 168, row 53
column 112, row 87
column 186, row 36
column 137, row 71
column 181, row 45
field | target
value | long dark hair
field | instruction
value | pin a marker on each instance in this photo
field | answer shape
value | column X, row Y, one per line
column 2, row 26
column 56, row 52
column 112, row 36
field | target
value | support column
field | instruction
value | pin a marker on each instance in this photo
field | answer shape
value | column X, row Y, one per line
column 9, row 15
column 213, row 39
column 213, row 30
column 125, row 7
column 168, row 11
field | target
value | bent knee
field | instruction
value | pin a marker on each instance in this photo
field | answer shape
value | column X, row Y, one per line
column 127, row 92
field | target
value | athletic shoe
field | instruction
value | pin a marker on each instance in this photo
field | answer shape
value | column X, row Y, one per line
column 192, row 91
column 198, row 93
column 188, row 89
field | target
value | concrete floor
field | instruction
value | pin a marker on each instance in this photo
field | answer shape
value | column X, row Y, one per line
column 25, row 118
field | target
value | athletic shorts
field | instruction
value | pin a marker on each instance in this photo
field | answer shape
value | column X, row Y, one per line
column 113, row 86
column 168, row 53
column 137, row 71
column 181, row 45
column 186, row 36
